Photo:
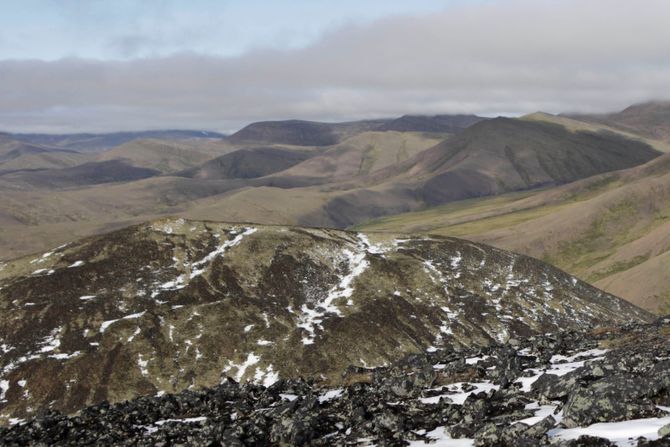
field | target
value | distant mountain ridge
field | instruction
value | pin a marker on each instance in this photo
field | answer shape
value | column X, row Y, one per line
column 650, row 119
column 367, row 174
column 491, row 157
column 93, row 142
column 312, row 133
column 435, row 123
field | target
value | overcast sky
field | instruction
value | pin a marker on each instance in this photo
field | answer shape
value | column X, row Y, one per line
column 98, row 65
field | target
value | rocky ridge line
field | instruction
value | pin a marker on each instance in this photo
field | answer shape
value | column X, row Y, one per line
column 177, row 304
column 564, row 389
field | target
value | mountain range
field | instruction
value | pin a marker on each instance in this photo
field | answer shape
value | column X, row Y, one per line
column 298, row 172
column 610, row 229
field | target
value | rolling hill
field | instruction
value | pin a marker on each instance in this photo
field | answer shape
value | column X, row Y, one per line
column 248, row 163
column 89, row 173
column 44, row 160
column 166, row 156
column 365, row 153
column 176, row 304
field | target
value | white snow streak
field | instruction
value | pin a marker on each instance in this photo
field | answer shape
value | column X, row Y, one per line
column 106, row 324
column 312, row 318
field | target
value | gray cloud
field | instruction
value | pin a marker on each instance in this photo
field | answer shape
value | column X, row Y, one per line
column 509, row 57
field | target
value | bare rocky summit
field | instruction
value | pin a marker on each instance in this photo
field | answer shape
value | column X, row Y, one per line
column 175, row 304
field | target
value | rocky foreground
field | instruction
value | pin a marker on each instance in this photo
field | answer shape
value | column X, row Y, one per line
column 608, row 386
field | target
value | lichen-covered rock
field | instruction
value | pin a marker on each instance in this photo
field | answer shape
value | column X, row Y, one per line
column 614, row 398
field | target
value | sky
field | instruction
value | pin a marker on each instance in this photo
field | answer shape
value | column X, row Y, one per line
column 101, row 66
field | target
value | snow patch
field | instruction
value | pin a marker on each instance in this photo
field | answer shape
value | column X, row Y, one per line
column 475, row 360
column 143, row 365
column 590, row 353
column 455, row 261
column 51, row 342
column 621, row 433
column 251, row 360
column 4, row 387
column 64, row 356
column 135, row 334
column 560, row 369
column 331, row 394
column 266, row 377
column 311, row 319
column 440, row 438
column 456, row 393
column 541, row 412
column 199, row 266
column 181, row 421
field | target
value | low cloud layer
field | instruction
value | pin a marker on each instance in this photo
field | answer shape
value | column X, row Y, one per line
column 497, row 57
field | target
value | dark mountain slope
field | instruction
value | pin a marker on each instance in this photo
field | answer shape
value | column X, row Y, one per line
column 311, row 133
column 176, row 304
column 292, row 132
column 504, row 155
column 436, row 123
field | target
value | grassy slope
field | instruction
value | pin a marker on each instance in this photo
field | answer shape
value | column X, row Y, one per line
column 651, row 120
column 612, row 230
column 365, row 153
